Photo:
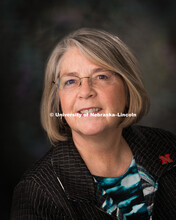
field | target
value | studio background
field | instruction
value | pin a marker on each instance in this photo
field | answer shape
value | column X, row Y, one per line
column 29, row 31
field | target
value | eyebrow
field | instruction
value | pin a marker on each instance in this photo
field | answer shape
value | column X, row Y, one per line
column 95, row 70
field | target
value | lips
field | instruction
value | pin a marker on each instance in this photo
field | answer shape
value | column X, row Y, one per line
column 89, row 110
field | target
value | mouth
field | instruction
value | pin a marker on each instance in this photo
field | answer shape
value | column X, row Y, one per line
column 90, row 110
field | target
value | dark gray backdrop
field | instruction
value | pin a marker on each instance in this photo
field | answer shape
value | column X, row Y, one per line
column 30, row 29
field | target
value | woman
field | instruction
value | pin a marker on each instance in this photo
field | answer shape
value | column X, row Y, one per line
column 100, row 166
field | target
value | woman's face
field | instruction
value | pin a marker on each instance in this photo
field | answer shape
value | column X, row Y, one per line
column 109, row 99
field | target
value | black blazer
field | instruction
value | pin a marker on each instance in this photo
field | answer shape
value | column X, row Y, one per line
column 60, row 186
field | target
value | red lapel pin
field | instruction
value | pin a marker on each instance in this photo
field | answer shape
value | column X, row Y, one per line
column 166, row 159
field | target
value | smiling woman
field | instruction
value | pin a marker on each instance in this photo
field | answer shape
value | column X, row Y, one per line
column 98, row 167
column 106, row 53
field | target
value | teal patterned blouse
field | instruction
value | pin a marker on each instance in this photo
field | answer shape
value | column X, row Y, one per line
column 125, row 193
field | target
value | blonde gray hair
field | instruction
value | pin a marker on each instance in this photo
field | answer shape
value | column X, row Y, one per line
column 105, row 50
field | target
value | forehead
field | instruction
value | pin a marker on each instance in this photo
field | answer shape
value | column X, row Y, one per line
column 75, row 61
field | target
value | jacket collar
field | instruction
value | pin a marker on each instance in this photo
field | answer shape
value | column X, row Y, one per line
column 146, row 144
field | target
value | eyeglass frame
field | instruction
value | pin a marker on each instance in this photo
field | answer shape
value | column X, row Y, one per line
column 88, row 77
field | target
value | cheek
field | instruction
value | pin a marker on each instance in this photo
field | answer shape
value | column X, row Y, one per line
column 115, row 97
column 66, row 103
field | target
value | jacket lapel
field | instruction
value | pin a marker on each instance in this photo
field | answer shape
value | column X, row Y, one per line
column 74, row 176
column 72, row 172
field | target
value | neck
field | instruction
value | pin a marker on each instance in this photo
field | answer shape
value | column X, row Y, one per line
column 104, row 154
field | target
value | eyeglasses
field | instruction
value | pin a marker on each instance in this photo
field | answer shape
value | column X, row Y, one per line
column 71, row 83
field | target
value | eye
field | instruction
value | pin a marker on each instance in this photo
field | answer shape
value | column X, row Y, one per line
column 69, row 82
column 102, row 77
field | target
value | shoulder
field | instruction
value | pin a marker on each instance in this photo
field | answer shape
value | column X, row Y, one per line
column 153, row 148
column 151, row 131
column 39, row 177
column 42, row 175
column 151, row 135
column 40, row 169
column 38, row 188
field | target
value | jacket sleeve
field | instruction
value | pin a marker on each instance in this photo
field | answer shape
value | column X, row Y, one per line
column 31, row 202
column 165, row 200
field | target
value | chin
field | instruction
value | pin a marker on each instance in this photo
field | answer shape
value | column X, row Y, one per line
column 87, row 129
column 89, row 133
column 92, row 128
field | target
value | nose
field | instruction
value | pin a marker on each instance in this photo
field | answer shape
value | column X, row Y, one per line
column 85, row 89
